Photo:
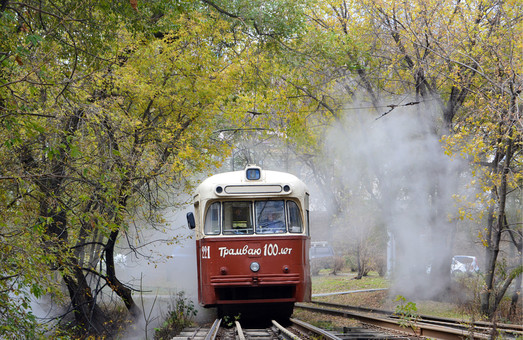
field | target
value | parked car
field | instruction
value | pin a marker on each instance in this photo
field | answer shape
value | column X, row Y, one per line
column 321, row 256
column 464, row 264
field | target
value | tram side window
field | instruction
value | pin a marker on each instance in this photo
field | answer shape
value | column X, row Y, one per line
column 237, row 218
column 212, row 220
column 295, row 222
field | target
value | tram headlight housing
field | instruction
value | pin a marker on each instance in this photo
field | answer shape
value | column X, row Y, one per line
column 255, row 266
column 253, row 174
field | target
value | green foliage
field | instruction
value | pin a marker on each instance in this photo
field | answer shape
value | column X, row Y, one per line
column 106, row 107
column 180, row 314
column 69, row 165
column 23, row 264
column 265, row 19
column 231, row 321
column 331, row 283
column 17, row 322
column 323, row 324
column 407, row 313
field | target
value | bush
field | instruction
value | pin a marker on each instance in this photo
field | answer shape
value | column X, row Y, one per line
column 381, row 267
column 339, row 264
column 350, row 261
column 180, row 314
column 320, row 263
column 315, row 268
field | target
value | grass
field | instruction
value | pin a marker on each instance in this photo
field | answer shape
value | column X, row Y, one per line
column 460, row 309
column 442, row 309
column 326, row 283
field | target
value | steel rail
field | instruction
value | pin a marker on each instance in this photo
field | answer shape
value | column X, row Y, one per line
column 425, row 318
column 418, row 328
column 239, row 330
column 286, row 333
column 213, row 332
column 319, row 331
column 480, row 326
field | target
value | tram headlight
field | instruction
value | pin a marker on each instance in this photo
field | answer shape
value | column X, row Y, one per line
column 255, row 266
column 253, row 174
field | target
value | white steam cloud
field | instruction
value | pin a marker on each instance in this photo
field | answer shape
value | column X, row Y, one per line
column 162, row 269
column 396, row 168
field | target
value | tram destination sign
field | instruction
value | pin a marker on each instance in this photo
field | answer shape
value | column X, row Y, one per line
column 268, row 249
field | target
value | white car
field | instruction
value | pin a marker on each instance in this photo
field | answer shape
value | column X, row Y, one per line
column 464, row 264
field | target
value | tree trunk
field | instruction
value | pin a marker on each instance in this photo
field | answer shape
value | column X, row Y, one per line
column 500, row 294
column 362, row 263
column 490, row 264
column 517, row 240
column 515, row 297
column 119, row 288
column 358, row 260
column 496, row 227
column 88, row 315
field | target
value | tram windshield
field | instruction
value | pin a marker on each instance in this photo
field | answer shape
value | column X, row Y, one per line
column 270, row 217
column 237, row 218
column 249, row 217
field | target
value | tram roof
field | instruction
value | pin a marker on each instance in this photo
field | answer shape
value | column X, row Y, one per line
column 238, row 184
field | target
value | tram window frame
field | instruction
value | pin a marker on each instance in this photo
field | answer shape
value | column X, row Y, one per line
column 219, row 218
column 241, row 224
column 212, row 223
column 294, row 219
column 274, row 219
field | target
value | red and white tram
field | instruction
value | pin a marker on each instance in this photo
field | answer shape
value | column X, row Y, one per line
column 252, row 241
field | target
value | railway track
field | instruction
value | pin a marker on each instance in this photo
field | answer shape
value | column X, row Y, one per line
column 216, row 332
column 297, row 330
column 387, row 323
column 423, row 326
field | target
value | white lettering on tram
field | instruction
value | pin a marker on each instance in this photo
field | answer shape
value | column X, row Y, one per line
column 269, row 249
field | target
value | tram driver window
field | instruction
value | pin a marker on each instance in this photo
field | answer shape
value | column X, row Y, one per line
column 270, row 217
column 212, row 219
column 237, row 218
column 295, row 223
